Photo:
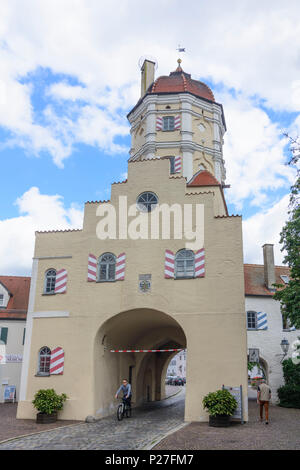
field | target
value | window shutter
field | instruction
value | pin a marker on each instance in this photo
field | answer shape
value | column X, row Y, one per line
column 262, row 323
column 120, row 267
column 177, row 122
column 169, row 264
column 57, row 361
column 159, row 123
column 92, row 268
column 61, row 281
column 200, row 263
column 3, row 334
column 177, row 164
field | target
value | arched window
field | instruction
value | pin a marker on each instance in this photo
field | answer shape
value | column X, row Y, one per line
column 107, row 267
column 251, row 320
column 184, row 264
column 50, row 278
column 44, row 361
column 147, row 201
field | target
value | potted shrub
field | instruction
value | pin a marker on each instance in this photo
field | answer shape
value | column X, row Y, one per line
column 220, row 405
column 48, row 403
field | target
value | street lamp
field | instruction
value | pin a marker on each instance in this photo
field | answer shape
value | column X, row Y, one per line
column 285, row 347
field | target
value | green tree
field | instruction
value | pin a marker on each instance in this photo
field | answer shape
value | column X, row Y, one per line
column 289, row 296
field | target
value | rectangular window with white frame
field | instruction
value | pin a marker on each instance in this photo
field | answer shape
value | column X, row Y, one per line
column 168, row 123
column 251, row 320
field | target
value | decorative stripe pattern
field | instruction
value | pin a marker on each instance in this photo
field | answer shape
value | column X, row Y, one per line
column 262, row 323
column 57, row 361
column 200, row 263
column 92, row 268
column 177, row 164
column 120, row 267
column 144, row 350
column 177, row 123
column 169, row 264
column 159, row 123
column 61, row 282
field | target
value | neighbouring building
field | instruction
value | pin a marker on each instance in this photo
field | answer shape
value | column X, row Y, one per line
column 266, row 327
column 14, row 294
column 104, row 297
column 177, row 365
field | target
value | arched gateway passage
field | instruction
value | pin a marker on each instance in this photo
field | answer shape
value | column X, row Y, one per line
column 134, row 329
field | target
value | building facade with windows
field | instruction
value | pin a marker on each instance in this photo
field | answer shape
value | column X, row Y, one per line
column 104, row 297
column 177, row 365
column 14, row 294
column 266, row 328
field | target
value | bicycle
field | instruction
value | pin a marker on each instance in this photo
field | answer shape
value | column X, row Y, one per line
column 123, row 408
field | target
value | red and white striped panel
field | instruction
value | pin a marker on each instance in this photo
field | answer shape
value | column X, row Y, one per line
column 120, row 267
column 177, row 122
column 169, row 264
column 92, row 268
column 177, row 164
column 200, row 263
column 61, row 282
column 57, row 361
column 159, row 123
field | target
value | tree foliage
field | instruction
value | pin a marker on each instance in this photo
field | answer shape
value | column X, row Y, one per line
column 289, row 296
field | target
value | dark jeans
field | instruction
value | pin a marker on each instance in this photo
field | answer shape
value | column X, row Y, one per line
column 127, row 401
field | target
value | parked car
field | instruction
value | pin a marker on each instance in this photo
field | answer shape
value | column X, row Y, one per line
column 178, row 381
column 169, row 380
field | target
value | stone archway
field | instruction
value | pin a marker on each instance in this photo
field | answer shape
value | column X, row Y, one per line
column 133, row 329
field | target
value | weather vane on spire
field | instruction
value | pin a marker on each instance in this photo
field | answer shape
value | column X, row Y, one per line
column 180, row 49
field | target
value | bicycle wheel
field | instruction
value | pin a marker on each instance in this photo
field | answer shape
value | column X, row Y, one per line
column 128, row 412
column 120, row 412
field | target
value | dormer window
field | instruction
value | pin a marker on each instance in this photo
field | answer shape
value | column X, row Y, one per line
column 168, row 123
column 285, row 278
column 1, row 300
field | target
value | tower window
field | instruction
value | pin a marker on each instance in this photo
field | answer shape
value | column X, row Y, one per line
column 185, row 264
column 107, row 267
column 44, row 361
column 146, row 202
column 50, row 281
column 168, row 123
column 172, row 165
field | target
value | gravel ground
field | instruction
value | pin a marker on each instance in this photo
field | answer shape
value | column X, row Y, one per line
column 282, row 432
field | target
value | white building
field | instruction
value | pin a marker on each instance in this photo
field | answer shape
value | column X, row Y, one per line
column 177, row 366
column 14, row 294
column 265, row 326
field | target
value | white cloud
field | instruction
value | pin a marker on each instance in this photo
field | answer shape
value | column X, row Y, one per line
column 265, row 227
column 251, row 46
column 253, row 153
column 37, row 212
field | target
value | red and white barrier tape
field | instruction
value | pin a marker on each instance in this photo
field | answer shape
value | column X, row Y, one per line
column 145, row 350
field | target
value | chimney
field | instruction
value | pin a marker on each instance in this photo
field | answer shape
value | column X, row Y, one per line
column 269, row 266
column 147, row 75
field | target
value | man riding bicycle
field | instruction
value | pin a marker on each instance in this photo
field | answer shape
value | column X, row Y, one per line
column 126, row 389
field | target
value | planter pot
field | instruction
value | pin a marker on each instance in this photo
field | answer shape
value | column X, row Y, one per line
column 43, row 418
column 219, row 421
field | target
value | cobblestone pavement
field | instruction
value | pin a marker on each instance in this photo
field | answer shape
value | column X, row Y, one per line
column 282, row 432
column 12, row 427
column 146, row 425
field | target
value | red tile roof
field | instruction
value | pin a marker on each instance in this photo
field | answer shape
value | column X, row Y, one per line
column 255, row 282
column 179, row 82
column 203, row 178
column 18, row 287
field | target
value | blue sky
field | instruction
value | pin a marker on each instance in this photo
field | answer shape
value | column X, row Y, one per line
column 69, row 75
